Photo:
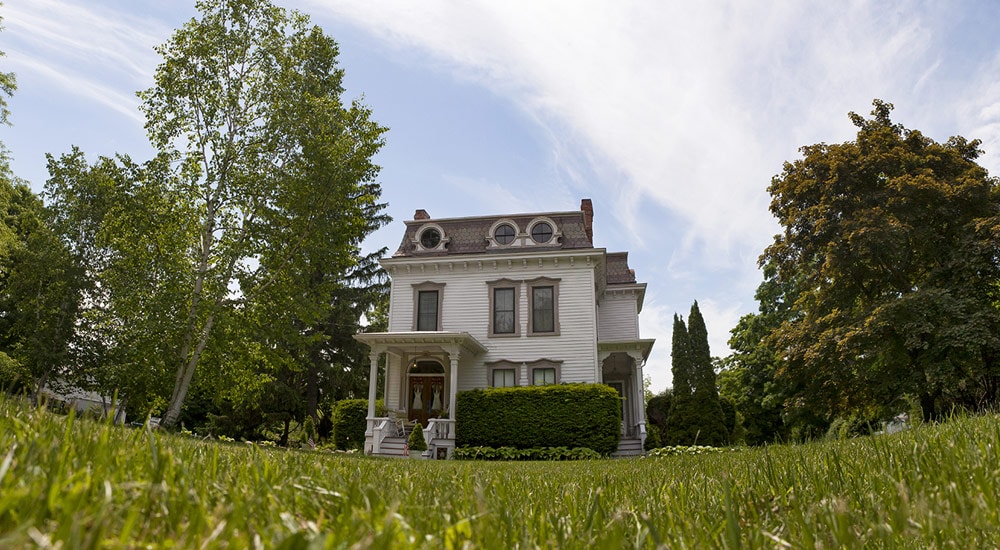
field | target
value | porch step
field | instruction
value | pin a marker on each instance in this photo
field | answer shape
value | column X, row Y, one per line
column 629, row 447
column 392, row 446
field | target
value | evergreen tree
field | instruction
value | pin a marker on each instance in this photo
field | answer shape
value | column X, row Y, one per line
column 678, row 421
column 707, row 410
column 695, row 414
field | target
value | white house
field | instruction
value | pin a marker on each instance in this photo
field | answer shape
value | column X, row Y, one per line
column 494, row 301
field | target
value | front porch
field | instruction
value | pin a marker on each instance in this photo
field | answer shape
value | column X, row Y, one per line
column 422, row 370
column 621, row 364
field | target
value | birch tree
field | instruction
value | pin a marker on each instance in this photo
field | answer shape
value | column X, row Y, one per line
column 247, row 104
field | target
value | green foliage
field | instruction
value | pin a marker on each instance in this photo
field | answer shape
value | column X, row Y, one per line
column 696, row 416
column 657, row 412
column 510, row 453
column 416, row 441
column 653, row 440
column 82, row 484
column 569, row 415
column 309, row 428
column 349, row 422
column 41, row 291
column 684, row 450
column 850, row 426
column 888, row 257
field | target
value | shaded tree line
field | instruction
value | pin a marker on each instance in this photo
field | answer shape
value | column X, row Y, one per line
column 220, row 282
column 880, row 294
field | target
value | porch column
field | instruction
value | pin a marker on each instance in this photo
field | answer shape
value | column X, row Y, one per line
column 601, row 358
column 639, row 403
column 373, row 383
column 453, row 356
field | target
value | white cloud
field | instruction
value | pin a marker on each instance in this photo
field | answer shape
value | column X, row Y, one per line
column 693, row 106
column 97, row 53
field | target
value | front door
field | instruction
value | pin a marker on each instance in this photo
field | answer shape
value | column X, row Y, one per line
column 426, row 398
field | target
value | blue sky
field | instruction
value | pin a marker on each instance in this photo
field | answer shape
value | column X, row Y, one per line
column 672, row 117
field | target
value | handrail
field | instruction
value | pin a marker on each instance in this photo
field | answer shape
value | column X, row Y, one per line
column 377, row 429
column 439, row 429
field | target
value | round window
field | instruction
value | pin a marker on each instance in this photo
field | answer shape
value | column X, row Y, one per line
column 430, row 238
column 504, row 234
column 541, row 232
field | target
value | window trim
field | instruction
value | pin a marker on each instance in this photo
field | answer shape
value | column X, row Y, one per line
column 532, row 285
column 418, row 237
column 554, row 240
column 427, row 286
column 544, row 364
column 503, row 364
column 491, row 238
column 492, row 286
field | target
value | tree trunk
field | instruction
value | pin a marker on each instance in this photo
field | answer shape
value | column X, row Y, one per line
column 184, row 375
column 927, row 406
column 312, row 385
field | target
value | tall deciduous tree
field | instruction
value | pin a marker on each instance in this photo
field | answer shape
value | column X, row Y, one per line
column 892, row 242
column 247, row 102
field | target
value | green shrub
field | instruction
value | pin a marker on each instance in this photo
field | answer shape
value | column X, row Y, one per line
column 349, row 423
column 416, row 441
column 652, row 439
column 510, row 453
column 569, row 415
column 675, row 450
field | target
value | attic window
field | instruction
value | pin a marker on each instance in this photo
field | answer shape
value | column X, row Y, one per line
column 430, row 238
column 504, row 234
column 541, row 232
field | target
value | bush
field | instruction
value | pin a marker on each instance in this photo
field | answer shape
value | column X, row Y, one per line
column 569, row 415
column 349, row 423
column 510, row 453
column 675, row 450
column 416, row 441
column 652, row 438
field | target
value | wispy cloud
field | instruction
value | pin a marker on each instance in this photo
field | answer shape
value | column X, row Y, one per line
column 100, row 54
column 693, row 107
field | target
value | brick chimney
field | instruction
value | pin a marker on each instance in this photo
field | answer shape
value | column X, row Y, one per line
column 421, row 214
column 588, row 218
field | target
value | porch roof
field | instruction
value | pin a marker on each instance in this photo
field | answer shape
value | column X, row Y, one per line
column 644, row 346
column 402, row 342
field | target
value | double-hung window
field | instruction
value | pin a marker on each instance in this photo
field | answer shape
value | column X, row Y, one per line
column 504, row 378
column 544, row 306
column 544, row 372
column 504, row 295
column 504, row 374
column 427, row 306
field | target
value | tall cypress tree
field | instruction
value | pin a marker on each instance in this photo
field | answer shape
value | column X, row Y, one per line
column 695, row 413
column 707, row 409
column 679, row 420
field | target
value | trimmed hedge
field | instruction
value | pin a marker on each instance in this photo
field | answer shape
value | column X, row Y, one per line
column 568, row 415
column 510, row 453
column 349, row 423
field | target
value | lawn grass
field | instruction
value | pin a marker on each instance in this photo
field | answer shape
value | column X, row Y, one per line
column 84, row 484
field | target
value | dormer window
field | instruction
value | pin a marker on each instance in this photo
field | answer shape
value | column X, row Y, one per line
column 504, row 234
column 430, row 238
column 541, row 232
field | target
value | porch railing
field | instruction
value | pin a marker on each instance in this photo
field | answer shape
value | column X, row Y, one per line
column 377, row 430
column 438, row 431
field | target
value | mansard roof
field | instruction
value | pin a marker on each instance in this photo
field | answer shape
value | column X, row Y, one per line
column 476, row 235
column 472, row 235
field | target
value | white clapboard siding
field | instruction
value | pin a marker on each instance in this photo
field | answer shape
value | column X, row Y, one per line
column 618, row 318
column 465, row 308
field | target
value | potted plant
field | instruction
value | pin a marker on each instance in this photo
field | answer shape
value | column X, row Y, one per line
column 416, row 442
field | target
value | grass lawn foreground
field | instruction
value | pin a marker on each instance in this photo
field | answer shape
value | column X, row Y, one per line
column 78, row 483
